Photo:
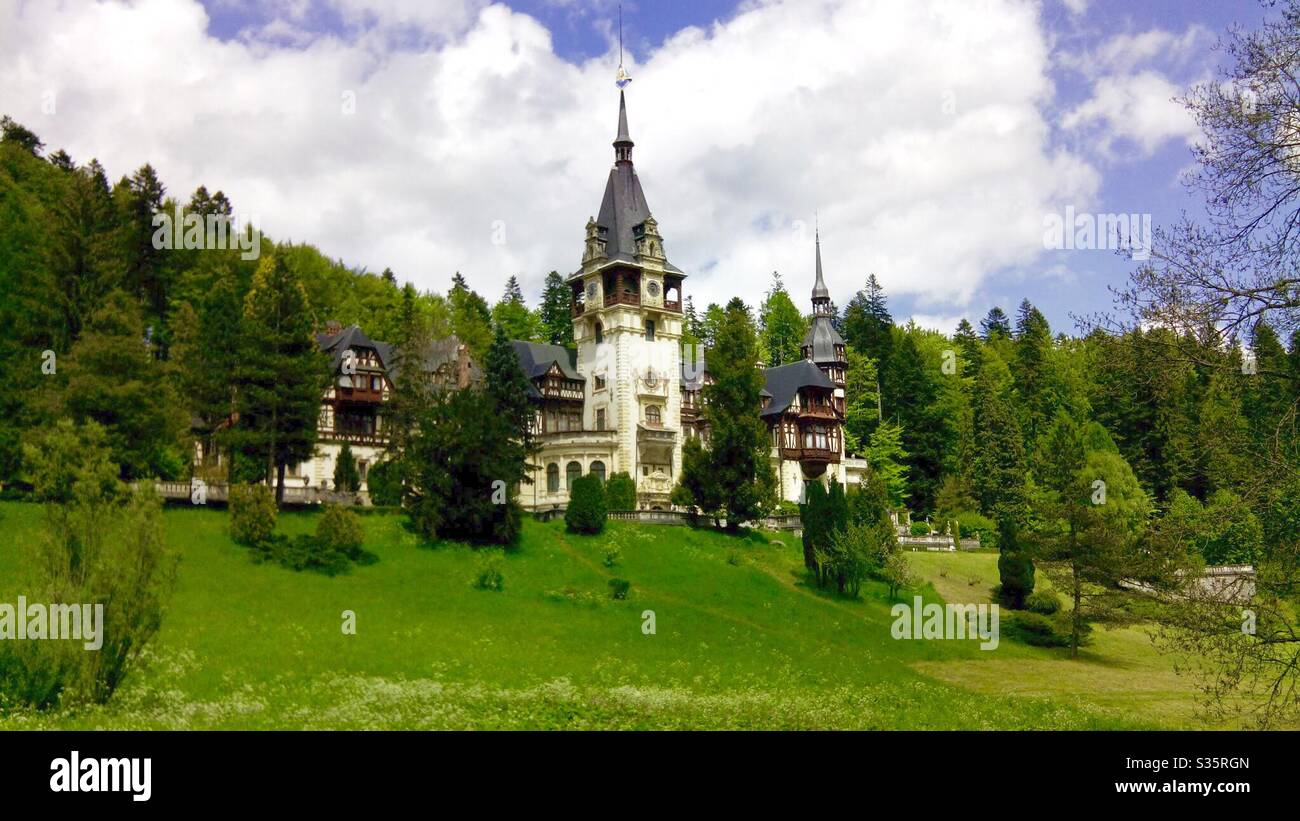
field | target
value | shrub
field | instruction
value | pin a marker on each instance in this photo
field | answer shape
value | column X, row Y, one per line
column 920, row 529
column 340, row 529
column 620, row 492
column 971, row 525
column 303, row 552
column 619, row 588
column 611, row 556
column 1043, row 602
column 385, row 483
column 786, row 508
column 733, row 558
column 101, row 544
column 252, row 513
column 586, row 512
column 346, row 476
column 488, row 574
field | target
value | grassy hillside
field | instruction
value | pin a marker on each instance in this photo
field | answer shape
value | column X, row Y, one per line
column 740, row 642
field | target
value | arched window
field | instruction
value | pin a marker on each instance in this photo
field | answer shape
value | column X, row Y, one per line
column 552, row 477
column 571, row 471
column 598, row 470
column 652, row 415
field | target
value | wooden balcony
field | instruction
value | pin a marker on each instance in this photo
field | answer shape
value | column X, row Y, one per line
column 818, row 455
column 675, row 306
column 819, row 412
column 364, row 395
column 622, row 298
column 576, row 309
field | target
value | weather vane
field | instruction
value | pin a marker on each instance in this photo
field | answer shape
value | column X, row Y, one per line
column 623, row 78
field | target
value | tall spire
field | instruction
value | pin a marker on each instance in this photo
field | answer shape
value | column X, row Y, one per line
column 820, row 292
column 623, row 142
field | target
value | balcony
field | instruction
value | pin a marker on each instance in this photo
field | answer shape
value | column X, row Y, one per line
column 816, row 455
column 622, row 298
column 673, row 305
column 827, row 412
column 576, row 309
column 352, row 437
column 365, row 395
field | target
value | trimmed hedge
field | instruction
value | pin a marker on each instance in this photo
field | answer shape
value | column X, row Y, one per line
column 586, row 512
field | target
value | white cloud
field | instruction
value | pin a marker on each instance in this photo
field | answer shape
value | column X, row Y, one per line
column 1139, row 107
column 915, row 128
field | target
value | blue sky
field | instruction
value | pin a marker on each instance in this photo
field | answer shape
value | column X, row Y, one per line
column 476, row 121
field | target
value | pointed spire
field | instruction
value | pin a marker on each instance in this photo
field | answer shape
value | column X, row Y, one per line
column 820, row 291
column 622, row 143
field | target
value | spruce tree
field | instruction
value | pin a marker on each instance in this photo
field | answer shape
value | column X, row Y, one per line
column 739, row 443
column 995, row 325
column 282, row 373
column 556, row 322
column 346, row 477
column 781, row 326
column 514, row 317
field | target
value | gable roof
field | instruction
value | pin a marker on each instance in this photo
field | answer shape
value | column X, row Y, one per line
column 537, row 358
column 785, row 381
column 353, row 337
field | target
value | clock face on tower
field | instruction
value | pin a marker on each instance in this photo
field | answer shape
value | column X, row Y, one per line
column 652, row 288
column 591, row 291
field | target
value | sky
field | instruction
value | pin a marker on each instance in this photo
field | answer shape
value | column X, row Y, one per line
column 932, row 142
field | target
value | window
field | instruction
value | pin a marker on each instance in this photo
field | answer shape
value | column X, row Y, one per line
column 652, row 415
column 571, row 471
column 598, row 470
column 600, row 418
column 600, row 333
column 600, row 383
column 650, row 330
column 552, row 477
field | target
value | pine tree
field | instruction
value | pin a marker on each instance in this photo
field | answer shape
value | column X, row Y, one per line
column 556, row 322
column 969, row 348
column 514, row 317
column 782, row 327
column 739, row 442
column 714, row 317
column 111, row 378
column 1084, row 543
column 867, row 323
column 1033, row 348
column 816, row 524
column 346, row 476
column 888, row 460
column 466, row 454
column 282, row 374
column 995, row 325
column 471, row 319
column 862, row 405
column 691, row 324
column 1000, row 474
column 911, row 400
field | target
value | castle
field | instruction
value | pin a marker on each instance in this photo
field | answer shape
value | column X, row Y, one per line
column 627, row 394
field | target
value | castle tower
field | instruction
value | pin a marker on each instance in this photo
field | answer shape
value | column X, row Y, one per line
column 627, row 324
column 823, row 345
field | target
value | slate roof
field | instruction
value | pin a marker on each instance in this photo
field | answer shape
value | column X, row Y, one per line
column 822, row 338
column 353, row 337
column 624, row 206
column 536, row 358
column 784, row 382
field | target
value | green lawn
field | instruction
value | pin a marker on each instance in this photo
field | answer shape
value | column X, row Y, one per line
column 741, row 642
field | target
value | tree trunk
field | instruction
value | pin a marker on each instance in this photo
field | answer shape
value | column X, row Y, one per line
column 279, row 484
